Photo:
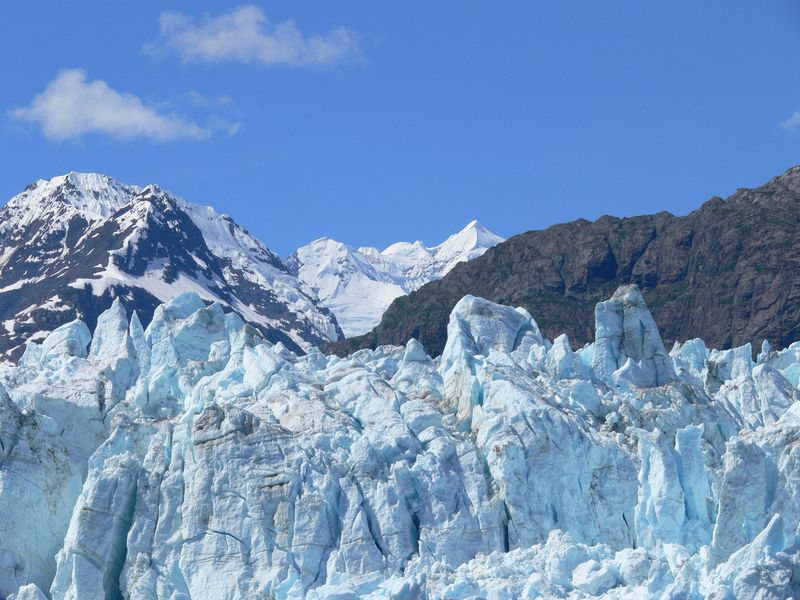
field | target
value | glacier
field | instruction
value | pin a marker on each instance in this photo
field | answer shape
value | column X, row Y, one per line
column 194, row 459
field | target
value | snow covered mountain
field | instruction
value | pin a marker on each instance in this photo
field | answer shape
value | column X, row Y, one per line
column 193, row 460
column 358, row 284
column 70, row 245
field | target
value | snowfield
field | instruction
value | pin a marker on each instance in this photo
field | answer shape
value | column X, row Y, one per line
column 358, row 284
column 192, row 459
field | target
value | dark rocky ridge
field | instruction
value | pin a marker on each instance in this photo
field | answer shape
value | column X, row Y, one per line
column 728, row 272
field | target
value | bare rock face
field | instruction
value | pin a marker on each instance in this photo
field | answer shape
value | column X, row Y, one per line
column 728, row 272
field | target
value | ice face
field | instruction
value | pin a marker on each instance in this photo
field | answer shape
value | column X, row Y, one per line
column 38, row 487
column 195, row 460
column 628, row 345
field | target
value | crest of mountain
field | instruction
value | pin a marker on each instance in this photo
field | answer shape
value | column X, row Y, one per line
column 71, row 244
column 358, row 284
column 729, row 272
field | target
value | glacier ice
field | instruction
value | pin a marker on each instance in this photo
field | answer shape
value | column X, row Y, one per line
column 627, row 343
column 192, row 459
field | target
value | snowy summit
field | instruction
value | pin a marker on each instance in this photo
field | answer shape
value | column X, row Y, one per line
column 358, row 284
column 71, row 244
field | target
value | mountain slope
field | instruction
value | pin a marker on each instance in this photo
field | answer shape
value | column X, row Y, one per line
column 728, row 272
column 358, row 284
column 71, row 244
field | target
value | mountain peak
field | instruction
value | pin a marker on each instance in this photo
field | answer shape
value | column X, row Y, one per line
column 358, row 284
column 94, row 195
column 471, row 239
column 475, row 227
column 72, row 244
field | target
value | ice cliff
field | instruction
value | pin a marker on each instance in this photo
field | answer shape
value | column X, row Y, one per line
column 192, row 459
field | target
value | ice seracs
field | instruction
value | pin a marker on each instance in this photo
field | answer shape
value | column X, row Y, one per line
column 358, row 284
column 194, row 459
column 627, row 343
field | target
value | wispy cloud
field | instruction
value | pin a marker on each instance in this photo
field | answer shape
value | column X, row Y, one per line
column 792, row 122
column 247, row 35
column 199, row 100
column 71, row 106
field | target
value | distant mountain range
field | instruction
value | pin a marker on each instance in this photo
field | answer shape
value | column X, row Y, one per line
column 71, row 244
column 358, row 284
column 728, row 272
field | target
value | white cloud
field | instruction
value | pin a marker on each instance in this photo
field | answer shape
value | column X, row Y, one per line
column 247, row 35
column 70, row 106
column 792, row 122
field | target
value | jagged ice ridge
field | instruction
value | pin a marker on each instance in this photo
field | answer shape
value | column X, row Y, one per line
column 192, row 459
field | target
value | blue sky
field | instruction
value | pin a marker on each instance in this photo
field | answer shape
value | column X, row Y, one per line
column 373, row 122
